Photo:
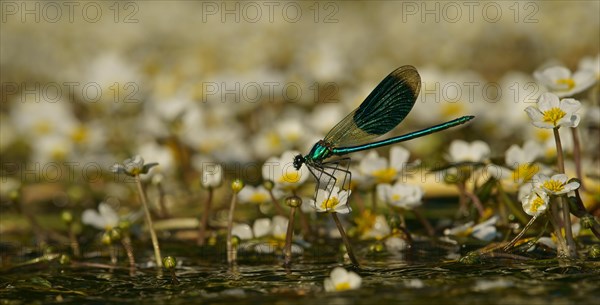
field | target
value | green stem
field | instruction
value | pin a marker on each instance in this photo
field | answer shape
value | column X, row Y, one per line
column 287, row 250
column 571, row 247
column 126, row 242
column 204, row 220
column 577, row 156
column 517, row 212
column 345, row 239
column 155, row 245
column 557, row 224
column 424, row 222
column 276, row 204
column 74, row 243
column 231, row 254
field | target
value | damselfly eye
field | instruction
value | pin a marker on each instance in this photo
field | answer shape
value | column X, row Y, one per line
column 298, row 161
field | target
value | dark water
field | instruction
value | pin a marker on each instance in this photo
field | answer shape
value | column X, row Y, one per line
column 424, row 274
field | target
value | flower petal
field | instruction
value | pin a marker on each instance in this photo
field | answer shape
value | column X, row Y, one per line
column 548, row 101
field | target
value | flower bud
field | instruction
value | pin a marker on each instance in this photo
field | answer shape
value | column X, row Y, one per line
column 169, row 262
column 293, row 201
column 237, row 185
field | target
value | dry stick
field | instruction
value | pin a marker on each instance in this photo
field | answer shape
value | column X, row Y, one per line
column 345, row 239
column 566, row 211
column 204, row 221
column 577, row 156
column 287, row 250
column 514, row 240
column 153, row 237
column 231, row 253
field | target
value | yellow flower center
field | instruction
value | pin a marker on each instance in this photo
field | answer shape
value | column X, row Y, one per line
column 542, row 134
column 365, row 221
column 342, row 286
column 330, row 203
column 566, row 81
column 135, row 171
column 290, row 177
column 80, row 134
column 273, row 140
column 58, row 153
column 536, row 204
column 385, row 175
column 258, row 198
column 43, row 127
column 553, row 185
column 554, row 115
column 524, row 172
column 396, row 197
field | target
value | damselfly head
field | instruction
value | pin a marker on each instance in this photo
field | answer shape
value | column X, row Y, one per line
column 298, row 161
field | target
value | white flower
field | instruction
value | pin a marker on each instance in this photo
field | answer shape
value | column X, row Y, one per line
column 341, row 279
column 591, row 64
column 265, row 226
column 133, row 166
column 261, row 227
column 461, row 151
column 282, row 172
column 161, row 154
column 332, row 201
column 555, row 185
column 395, row 244
column 520, row 166
column 212, row 175
column 485, row 231
column 552, row 112
column 521, row 161
column 255, row 195
column 400, row 195
column 104, row 219
column 242, row 231
column 382, row 171
column 378, row 229
column 561, row 82
column 535, row 203
column 291, row 130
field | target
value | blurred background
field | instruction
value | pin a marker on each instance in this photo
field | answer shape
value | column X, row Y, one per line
column 87, row 84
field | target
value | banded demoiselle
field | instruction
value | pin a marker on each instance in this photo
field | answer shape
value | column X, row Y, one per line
column 385, row 107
